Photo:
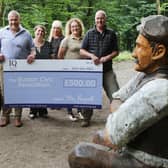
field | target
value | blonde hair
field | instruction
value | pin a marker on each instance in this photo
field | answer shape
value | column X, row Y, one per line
column 68, row 26
column 56, row 23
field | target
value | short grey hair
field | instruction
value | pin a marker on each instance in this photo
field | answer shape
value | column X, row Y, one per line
column 102, row 12
column 13, row 12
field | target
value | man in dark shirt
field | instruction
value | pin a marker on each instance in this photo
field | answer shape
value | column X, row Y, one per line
column 100, row 45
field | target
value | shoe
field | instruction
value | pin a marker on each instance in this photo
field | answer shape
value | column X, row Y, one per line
column 72, row 117
column 80, row 116
column 18, row 122
column 85, row 123
column 43, row 113
column 4, row 121
column 32, row 115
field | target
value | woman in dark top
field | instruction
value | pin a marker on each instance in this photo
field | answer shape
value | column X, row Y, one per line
column 55, row 37
column 43, row 51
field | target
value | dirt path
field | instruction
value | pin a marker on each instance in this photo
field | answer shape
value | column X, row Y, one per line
column 45, row 143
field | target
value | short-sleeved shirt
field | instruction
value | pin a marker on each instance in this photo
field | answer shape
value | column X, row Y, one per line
column 101, row 44
column 15, row 46
column 72, row 46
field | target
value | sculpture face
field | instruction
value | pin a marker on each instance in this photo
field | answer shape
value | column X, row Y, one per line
column 143, row 54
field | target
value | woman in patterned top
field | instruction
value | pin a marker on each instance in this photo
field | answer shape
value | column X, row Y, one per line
column 43, row 51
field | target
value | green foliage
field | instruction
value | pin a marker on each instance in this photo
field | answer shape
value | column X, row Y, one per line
column 123, row 56
column 122, row 15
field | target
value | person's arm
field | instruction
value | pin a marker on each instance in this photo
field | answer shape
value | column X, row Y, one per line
column 2, row 57
column 62, row 49
column 115, row 49
column 85, row 54
column 51, row 54
column 61, row 52
column 109, row 57
column 84, row 51
column 31, row 56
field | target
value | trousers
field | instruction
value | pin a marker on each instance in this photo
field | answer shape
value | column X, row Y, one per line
column 5, row 112
column 110, row 86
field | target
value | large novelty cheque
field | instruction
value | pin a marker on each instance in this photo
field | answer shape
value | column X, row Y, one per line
column 52, row 83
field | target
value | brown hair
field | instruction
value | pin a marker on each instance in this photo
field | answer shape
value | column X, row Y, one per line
column 42, row 27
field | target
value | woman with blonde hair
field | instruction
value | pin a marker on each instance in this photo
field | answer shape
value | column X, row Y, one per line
column 70, row 47
column 55, row 37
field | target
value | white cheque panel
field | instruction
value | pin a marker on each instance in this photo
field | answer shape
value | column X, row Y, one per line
column 52, row 83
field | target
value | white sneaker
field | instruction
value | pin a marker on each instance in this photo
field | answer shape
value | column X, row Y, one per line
column 72, row 117
column 81, row 116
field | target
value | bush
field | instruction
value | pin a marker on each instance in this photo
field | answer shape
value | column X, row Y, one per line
column 123, row 56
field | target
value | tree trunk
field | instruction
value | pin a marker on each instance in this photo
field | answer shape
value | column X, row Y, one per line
column 158, row 6
column 2, row 7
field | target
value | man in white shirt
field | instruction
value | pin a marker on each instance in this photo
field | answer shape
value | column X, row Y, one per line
column 15, row 43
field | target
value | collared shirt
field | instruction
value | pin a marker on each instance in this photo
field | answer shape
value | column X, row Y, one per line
column 101, row 44
column 15, row 46
column 72, row 46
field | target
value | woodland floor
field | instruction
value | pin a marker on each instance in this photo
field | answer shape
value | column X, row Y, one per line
column 46, row 143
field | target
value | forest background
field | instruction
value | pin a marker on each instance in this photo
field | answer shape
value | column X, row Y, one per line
column 122, row 15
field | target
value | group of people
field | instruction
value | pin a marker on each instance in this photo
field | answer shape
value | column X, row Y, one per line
column 135, row 132
column 99, row 44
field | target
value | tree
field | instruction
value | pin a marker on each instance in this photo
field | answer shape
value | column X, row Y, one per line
column 158, row 6
column 123, row 15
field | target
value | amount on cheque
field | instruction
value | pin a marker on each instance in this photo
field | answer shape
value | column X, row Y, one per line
column 87, row 83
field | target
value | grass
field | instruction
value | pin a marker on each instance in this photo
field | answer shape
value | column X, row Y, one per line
column 123, row 56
